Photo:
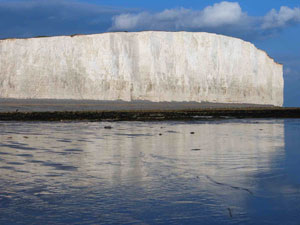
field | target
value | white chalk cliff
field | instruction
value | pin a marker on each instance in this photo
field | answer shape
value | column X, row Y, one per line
column 154, row 66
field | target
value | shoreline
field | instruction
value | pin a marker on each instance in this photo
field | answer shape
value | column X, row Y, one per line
column 154, row 115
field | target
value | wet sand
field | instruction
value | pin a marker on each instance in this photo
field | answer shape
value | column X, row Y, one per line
column 51, row 105
column 66, row 110
column 72, row 110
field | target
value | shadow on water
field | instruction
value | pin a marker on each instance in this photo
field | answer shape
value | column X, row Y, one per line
column 216, row 172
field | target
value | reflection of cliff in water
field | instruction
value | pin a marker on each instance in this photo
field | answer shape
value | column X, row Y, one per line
column 213, row 164
column 133, row 152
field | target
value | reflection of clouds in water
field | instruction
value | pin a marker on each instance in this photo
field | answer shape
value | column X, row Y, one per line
column 218, row 161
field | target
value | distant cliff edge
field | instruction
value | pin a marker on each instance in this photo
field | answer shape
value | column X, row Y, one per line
column 154, row 66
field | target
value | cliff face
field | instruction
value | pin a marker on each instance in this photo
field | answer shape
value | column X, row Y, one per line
column 154, row 66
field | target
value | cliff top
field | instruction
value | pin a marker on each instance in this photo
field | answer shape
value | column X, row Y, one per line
column 131, row 33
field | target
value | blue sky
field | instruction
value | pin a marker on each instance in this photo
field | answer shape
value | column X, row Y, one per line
column 273, row 26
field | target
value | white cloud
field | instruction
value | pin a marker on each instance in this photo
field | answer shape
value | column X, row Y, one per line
column 282, row 18
column 224, row 17
column 44, row 17
column 220, row 14
column 129, row 21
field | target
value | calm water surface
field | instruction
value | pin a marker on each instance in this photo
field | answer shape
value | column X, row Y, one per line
column 215, row 172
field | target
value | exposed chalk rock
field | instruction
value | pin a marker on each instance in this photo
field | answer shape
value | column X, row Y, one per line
column 154, row 66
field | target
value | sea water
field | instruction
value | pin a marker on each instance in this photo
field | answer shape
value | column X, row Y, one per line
column 203, row 172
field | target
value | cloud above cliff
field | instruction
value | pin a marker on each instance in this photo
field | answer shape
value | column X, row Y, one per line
column 285, row 16
column 20, row 18
column 220, row 14
column 57, row 17
column 224, row 17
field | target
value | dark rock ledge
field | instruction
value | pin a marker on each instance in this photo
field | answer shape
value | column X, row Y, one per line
column 153, row 115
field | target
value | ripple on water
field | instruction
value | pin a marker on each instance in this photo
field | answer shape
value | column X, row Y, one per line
column 7, row 167
column 59, row 166
column 18, row 146
column 64, row 140
column 73, row 150
column 15, row 163
column 25, row 155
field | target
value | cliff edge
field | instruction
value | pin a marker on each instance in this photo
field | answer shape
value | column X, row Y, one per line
column 154, row 66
